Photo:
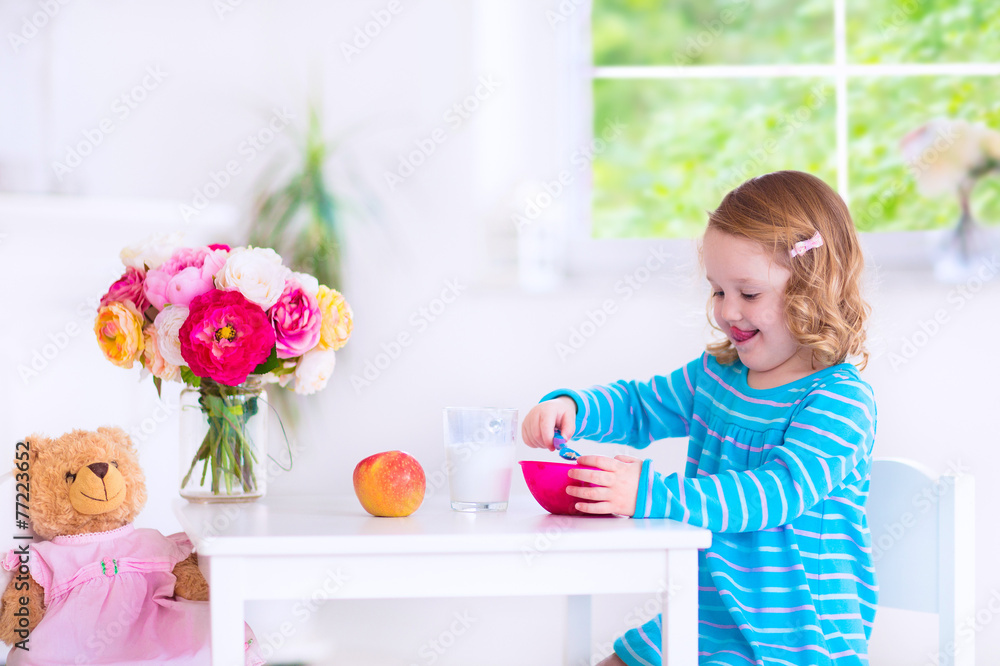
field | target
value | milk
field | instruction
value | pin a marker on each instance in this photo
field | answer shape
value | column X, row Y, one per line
column 480, row 473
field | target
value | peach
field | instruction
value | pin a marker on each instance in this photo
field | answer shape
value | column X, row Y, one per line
column 390, row 483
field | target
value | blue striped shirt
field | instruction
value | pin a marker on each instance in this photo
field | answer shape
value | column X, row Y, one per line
column 781, row 477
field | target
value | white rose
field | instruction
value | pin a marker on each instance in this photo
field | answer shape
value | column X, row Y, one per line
column 168, row 327
column 255, row 272
column 152, row 252
column 943, row 152
column 313, row 370
column 309, row 284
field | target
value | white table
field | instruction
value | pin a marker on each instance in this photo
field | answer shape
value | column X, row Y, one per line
column 292, row 548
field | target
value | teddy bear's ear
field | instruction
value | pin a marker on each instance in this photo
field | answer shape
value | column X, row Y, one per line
column 118, row 435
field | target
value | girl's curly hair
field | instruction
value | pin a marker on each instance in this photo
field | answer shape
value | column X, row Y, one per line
column 824, row 308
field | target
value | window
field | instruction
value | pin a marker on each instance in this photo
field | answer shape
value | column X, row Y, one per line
column 706, row 93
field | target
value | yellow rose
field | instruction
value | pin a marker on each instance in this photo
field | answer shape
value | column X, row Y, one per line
column 119, row 333
column 338, row 320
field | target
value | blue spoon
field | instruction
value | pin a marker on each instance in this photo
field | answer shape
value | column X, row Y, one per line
column 564, row 451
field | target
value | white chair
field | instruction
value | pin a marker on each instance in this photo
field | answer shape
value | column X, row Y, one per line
column 923, row 544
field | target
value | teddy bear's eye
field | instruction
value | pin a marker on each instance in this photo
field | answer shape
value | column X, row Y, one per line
column 70, row 476
column 115, row 463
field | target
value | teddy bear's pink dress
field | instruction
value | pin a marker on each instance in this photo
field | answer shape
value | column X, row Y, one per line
column 109, row 600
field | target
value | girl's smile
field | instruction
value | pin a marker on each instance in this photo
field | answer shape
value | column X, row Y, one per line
column 748, row 304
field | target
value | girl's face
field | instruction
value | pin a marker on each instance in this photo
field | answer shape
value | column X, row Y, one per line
column 748, row 304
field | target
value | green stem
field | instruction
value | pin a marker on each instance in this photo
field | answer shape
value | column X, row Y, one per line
column 227, row 448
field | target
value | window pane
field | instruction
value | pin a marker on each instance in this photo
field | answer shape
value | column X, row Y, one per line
column 884, row 195
column 698, row 32
column 922, row 31
column 683, row 144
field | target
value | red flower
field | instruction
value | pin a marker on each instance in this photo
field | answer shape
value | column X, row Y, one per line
column 225, row 336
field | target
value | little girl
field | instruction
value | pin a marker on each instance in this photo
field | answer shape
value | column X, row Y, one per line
column 780, row 433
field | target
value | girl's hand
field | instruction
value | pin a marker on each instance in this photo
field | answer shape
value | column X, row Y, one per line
column 617, row 483
column 541, row 422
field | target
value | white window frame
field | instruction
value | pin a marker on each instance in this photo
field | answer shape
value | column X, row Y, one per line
column 590, row 257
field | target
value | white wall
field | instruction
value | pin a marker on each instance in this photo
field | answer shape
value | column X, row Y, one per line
column 222, row 76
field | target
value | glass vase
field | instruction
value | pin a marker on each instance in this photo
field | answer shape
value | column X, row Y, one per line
column 223, row 432
column 965, row 251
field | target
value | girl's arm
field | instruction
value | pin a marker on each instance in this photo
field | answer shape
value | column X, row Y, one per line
column 636, row 413
column 827, row 443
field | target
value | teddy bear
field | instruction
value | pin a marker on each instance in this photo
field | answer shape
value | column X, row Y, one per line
column 92, row 588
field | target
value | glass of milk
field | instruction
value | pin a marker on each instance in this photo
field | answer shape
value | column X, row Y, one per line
column 479, row 443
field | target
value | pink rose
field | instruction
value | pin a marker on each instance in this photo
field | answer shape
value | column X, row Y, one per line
column 188, row 273
column 297, row 321
column 129, row 287
column 185, row 285
column 214, row 261
column 225, row 336
column 184, row 257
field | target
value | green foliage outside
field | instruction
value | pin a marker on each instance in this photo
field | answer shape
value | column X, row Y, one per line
column 922, row 31
column 687, row 141
column 701, row 32
column 883, row 192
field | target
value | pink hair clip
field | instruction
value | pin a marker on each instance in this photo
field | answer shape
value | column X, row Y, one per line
column 802, row 247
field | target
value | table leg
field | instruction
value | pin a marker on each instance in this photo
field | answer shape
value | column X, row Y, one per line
column 226, row 610
column 680, row 609
column 578, row 630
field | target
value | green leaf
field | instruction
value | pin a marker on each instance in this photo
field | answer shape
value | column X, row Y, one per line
column 271, row 363
column 158, row 383
column 300, row 218
column 189, row 377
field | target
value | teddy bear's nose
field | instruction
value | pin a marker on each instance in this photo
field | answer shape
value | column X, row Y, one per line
column 99, row 469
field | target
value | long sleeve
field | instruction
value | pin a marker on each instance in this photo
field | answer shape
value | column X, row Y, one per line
column 827, row 444
column 636, row 413
column 780, row 475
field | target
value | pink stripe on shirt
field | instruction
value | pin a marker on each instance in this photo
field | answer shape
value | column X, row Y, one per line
column 741, row 396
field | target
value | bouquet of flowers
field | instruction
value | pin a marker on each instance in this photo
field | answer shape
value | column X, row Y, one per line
column 948, row 156
column 216, row 318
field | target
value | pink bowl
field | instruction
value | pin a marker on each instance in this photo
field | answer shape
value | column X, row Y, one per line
column 547, row 482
